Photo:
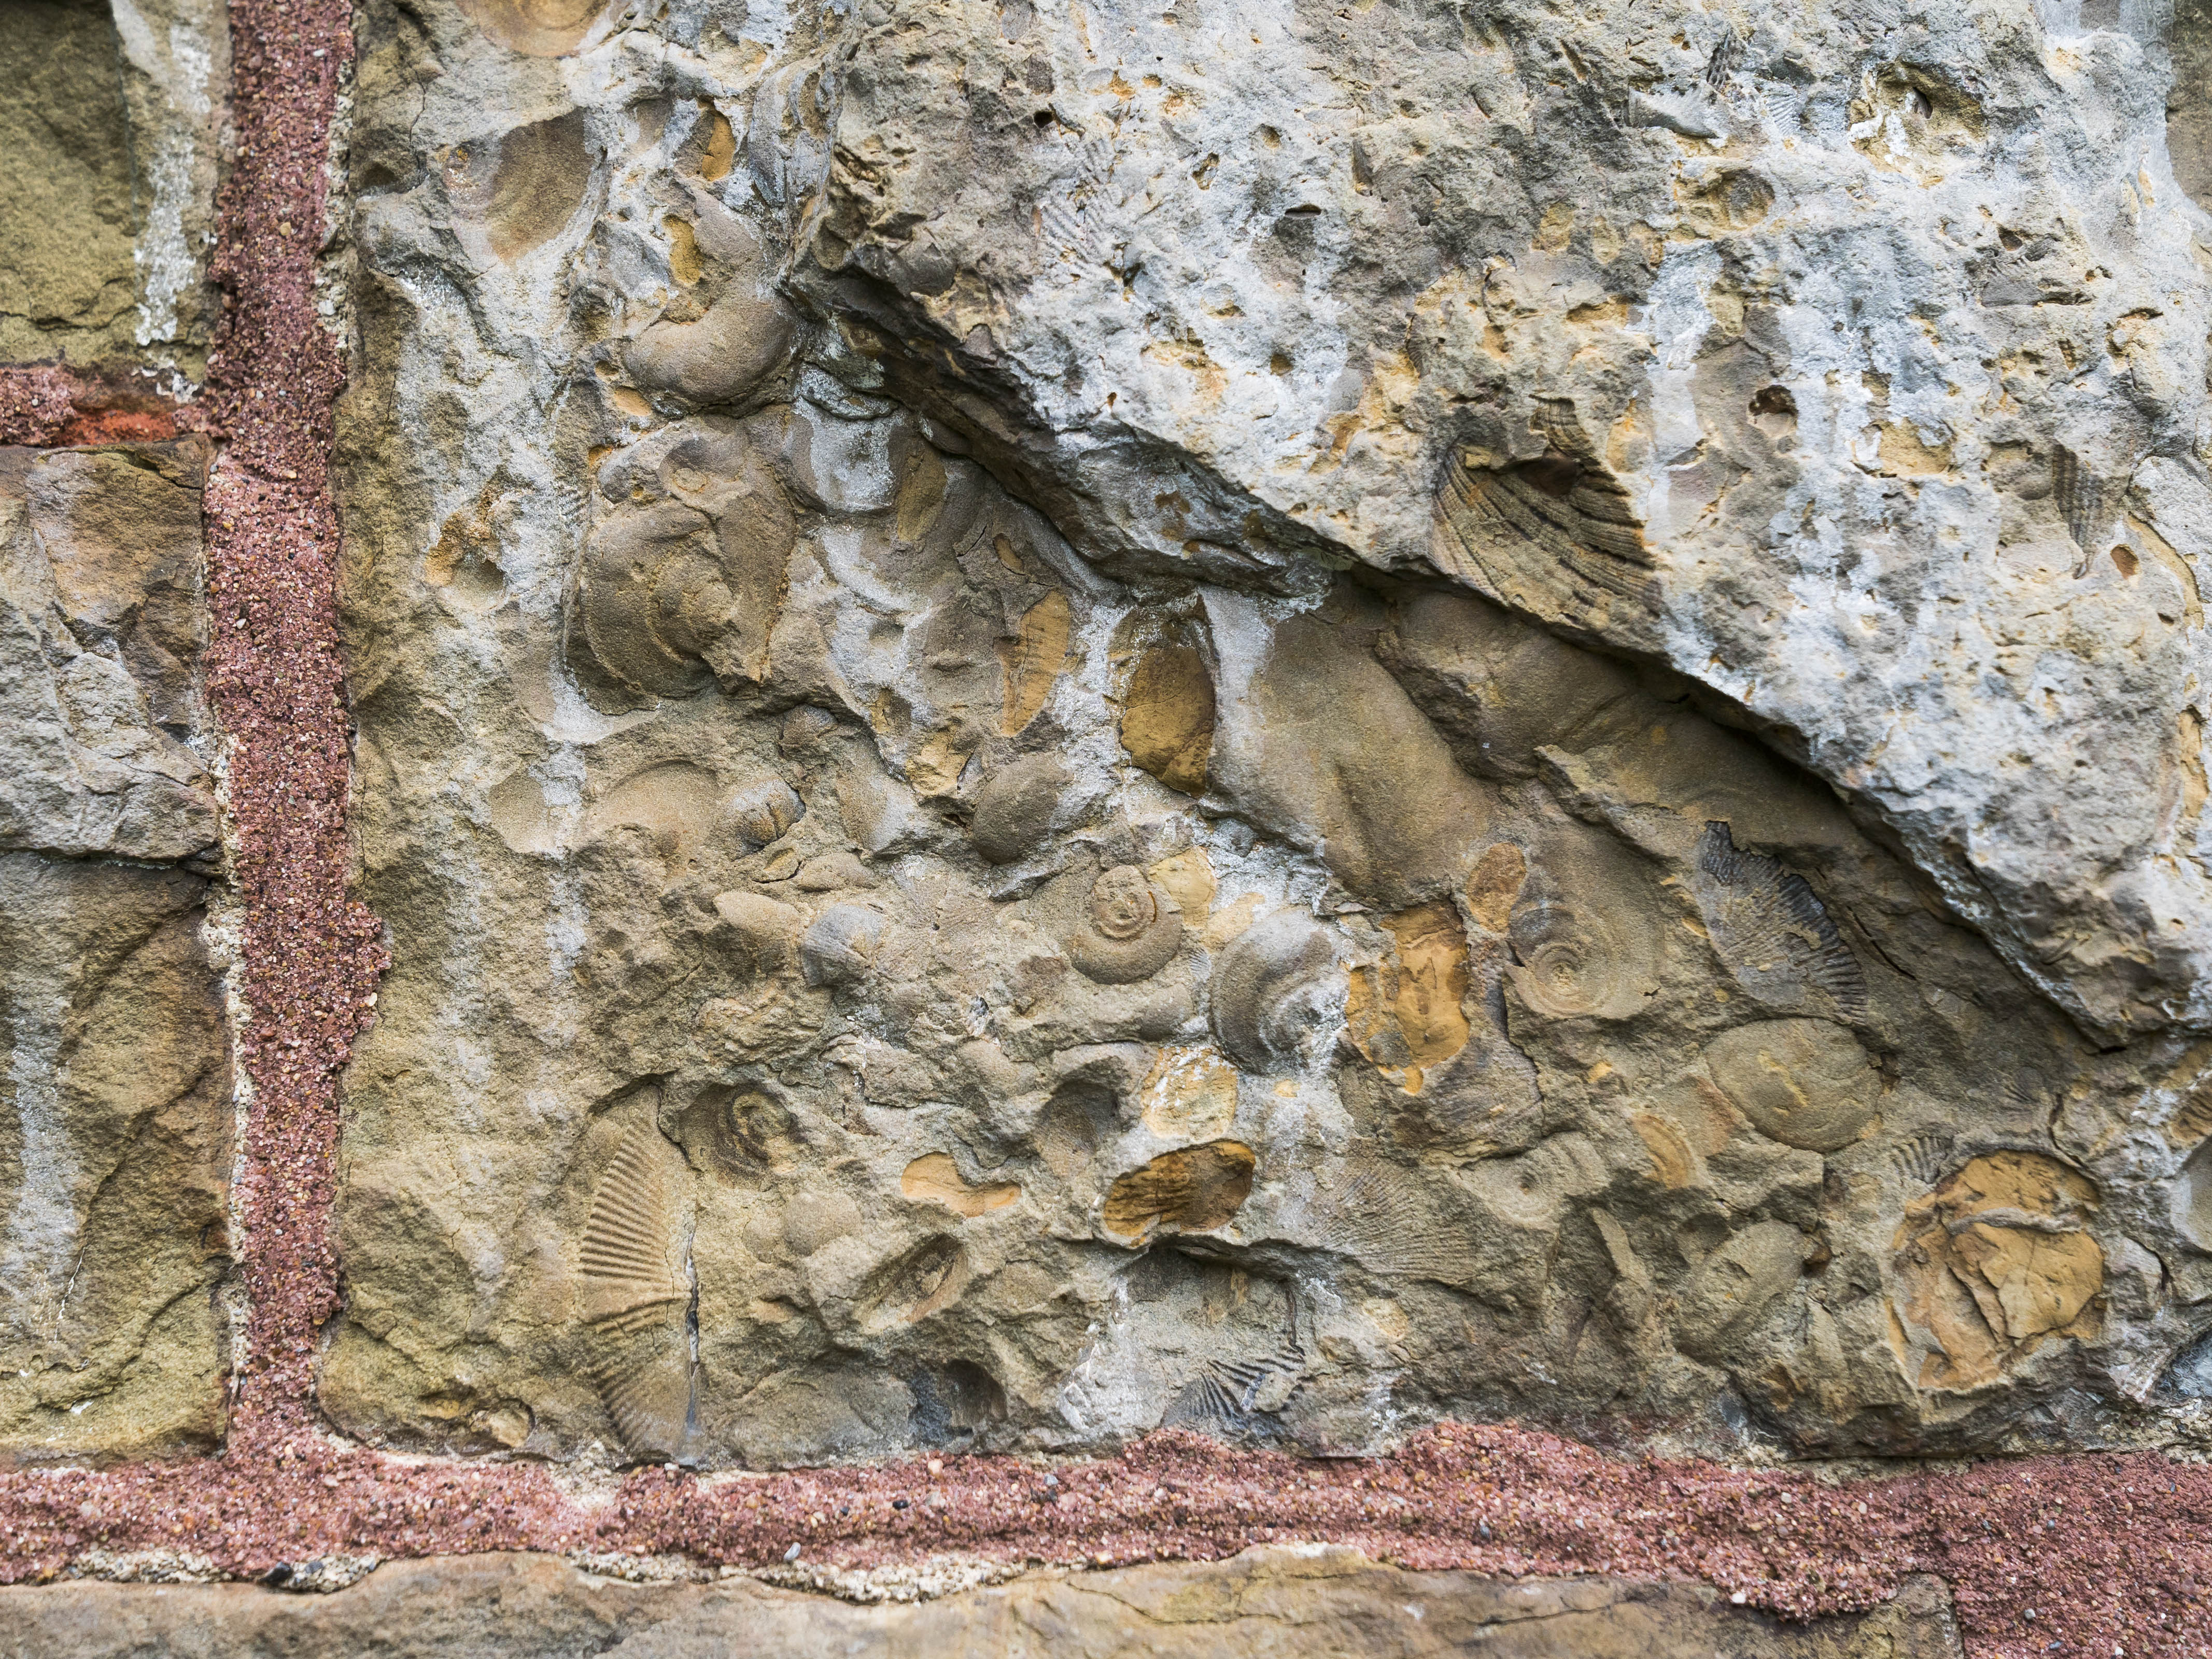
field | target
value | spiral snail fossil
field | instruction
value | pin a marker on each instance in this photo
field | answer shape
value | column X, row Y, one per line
column 1128, row 930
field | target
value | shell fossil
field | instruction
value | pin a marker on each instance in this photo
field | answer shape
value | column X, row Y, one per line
column 1572, row 960
column 1278, row 993
column 762, row 811
column 840, row 947
column 1194, row 1189
column 674, row 596
column 1128, row 930
column 1014, row 808
column 632, row 1297
column 1772, row 933
column 1806, row 1083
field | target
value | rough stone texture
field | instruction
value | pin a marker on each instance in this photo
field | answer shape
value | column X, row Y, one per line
column 1265, row 1602
column 102, row 622
column 113, row 121
column 962, row 871
column 115, row 1103
column 1824, row 354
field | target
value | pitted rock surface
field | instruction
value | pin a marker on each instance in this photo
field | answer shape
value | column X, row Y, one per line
column 1277, row 721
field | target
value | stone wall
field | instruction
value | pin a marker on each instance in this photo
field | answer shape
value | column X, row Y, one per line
column 966, row 742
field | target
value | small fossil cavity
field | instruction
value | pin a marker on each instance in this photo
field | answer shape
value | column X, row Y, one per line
column 1167, row 716
column 934, row 1178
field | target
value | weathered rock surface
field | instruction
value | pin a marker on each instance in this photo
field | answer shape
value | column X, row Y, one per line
column 963, row 870
column 1849, row 361
column 113, row 122
column 115, row 1101
column 1265, row 1602
column 102, row 622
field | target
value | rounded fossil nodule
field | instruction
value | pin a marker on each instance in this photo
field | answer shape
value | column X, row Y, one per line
column 1128, row 930
column 839, row 947
column 762, row 811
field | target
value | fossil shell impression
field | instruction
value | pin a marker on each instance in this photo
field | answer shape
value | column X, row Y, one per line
column 1993, row 1265
column 1278, row 993
column 762, row 811
column 1528, row 526
column 1806, row 1083
column 1015, row 806
column 1773, row 933
column 1128, row 930
column 633, row 1297
column 840, row 948
column 1572, row 960
column 674, row 595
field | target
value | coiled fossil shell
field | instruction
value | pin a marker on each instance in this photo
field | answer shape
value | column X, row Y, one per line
column 674, row 594
column 1278, row 993
column 1128, row 930
column 1572, row 960
column 840, row 948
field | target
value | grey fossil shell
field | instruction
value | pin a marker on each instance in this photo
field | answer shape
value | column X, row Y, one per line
column 1127, row 931
column 632, row 1297
column 1278, row 993
column 840, row 948
column 1014, row 808
column 677, row 593
column 1772, row 933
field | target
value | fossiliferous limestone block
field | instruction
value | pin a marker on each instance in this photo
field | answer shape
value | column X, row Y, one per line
column 965, row 874
column 1805, row 357
column 1332, row 1601
column 112, row 118
column 101, row 626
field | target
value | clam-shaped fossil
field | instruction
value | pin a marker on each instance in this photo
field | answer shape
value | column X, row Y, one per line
column 1128, row 930
column 841, row 946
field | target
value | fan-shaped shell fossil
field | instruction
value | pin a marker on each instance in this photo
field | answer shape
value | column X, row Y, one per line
column 1014, row 808
column 840, row 948
column 1192, row 1190
column 1572, row 960
column 1383, row 1216
column 1806, row 1083
column 1769, row 929
column 1128, row 930
column 633, row 1295
column 1278, row 993
column 762, row 811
